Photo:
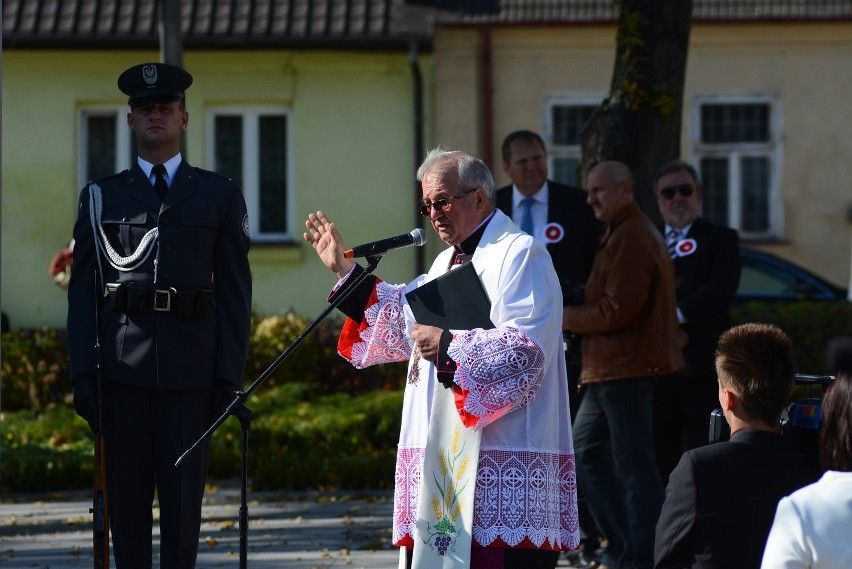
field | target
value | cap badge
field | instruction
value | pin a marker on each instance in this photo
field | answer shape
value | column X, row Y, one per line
column 149, row 74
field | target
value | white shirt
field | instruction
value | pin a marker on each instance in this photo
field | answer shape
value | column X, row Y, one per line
column 683, row 231
column 171, row 168
column 813, row 526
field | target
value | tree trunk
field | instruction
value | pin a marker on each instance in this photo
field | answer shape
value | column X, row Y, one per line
column 639, row 122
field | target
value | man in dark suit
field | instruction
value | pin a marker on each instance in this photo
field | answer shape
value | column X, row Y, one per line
column 555, row 214
column 721, row 498
column 707, row 267
column 559, row 216
column 161, row 280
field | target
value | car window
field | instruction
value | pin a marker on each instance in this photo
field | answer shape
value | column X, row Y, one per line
column 762, row 278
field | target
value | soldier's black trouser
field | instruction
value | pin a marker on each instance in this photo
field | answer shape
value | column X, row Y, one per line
column 146, row 430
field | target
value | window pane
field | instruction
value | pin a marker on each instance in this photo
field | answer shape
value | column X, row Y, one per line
column 735, row 123
column 273, row 174
column 100, row 151
column 755, row 194
column 565, row 171
column 714, row 178
column 568, row 121
column 229, row 147
column 760, row 278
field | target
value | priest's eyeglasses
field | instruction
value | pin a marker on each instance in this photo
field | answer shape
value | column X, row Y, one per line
column 440, row 204
column 684, row 189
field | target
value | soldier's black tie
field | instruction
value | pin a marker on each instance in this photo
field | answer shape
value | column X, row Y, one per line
column 160, row 184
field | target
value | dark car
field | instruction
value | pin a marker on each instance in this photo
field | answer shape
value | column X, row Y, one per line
column 768, row 278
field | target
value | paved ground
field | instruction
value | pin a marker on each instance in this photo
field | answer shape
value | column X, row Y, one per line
column 293, row 530
column 305, row 530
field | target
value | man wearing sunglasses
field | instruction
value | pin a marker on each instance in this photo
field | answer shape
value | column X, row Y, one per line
column 504, row 386
column 707, row 267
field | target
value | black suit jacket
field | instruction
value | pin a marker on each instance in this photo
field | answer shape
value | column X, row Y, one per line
column 721, row 500
column 573, row 254
column 707, row 281
column 203, row 243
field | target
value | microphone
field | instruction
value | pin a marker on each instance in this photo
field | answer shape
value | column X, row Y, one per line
column 417, row 237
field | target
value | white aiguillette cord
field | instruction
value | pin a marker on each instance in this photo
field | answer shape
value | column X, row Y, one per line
column 122, row 263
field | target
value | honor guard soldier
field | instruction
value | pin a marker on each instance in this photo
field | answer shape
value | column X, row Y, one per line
column 159, row 315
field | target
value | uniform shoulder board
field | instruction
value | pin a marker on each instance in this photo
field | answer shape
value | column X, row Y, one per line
column 110, row 177
column 212, row 173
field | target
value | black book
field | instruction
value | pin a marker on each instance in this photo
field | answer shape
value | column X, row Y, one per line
column 454, row 301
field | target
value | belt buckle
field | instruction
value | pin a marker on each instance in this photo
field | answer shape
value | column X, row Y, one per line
column 159, row 295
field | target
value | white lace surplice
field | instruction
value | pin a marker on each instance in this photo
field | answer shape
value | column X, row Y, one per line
column 509, row 383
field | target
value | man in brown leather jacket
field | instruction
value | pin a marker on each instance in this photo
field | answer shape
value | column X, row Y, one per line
column 630, row 336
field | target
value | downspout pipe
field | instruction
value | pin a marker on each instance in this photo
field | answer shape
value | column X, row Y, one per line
column 417, row 99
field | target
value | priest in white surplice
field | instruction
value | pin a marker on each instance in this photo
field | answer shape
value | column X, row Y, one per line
column 502, row 390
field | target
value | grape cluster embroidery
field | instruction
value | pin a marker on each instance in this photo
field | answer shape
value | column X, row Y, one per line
column 446, row 502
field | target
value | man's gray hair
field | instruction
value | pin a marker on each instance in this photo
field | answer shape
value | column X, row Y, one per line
column 472, row 172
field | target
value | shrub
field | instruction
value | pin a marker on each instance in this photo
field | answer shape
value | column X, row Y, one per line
column 309, row 440
column 320, row 423
column 300, row 439
column 315, row 361
column 52, row 451
column 34, row 370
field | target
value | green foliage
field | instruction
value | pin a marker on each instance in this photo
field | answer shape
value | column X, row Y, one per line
column 34, row 369
column 319, row 422
column 315, row 361
column 810, row 325
column 300, row 439
column 51, row 451
column 633, row 90
column 34, row 372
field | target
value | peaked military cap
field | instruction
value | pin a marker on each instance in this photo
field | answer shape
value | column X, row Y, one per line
column 154, row 83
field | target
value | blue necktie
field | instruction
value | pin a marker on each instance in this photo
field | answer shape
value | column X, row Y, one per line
column 526, row 218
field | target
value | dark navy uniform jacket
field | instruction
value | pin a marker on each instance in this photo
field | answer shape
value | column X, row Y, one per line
column 203, row 244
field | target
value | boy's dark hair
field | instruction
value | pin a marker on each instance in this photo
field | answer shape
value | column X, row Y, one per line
column 756, row 360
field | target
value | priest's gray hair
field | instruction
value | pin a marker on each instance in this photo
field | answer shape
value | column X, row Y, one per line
column 472, row 172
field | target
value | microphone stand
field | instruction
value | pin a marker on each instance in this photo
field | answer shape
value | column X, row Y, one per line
column 245, row 416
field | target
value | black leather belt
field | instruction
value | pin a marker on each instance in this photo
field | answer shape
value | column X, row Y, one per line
column 134, row 298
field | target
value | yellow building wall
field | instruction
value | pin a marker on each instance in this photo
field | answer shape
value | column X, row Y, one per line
column 806, row 67
column 352, row 155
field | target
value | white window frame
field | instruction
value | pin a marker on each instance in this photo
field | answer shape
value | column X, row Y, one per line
column 123, row 139
column 772, row 149
column 557, row 151
column 251, row 173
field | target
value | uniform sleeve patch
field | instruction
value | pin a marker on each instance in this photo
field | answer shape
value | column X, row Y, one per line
column 246, row 228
